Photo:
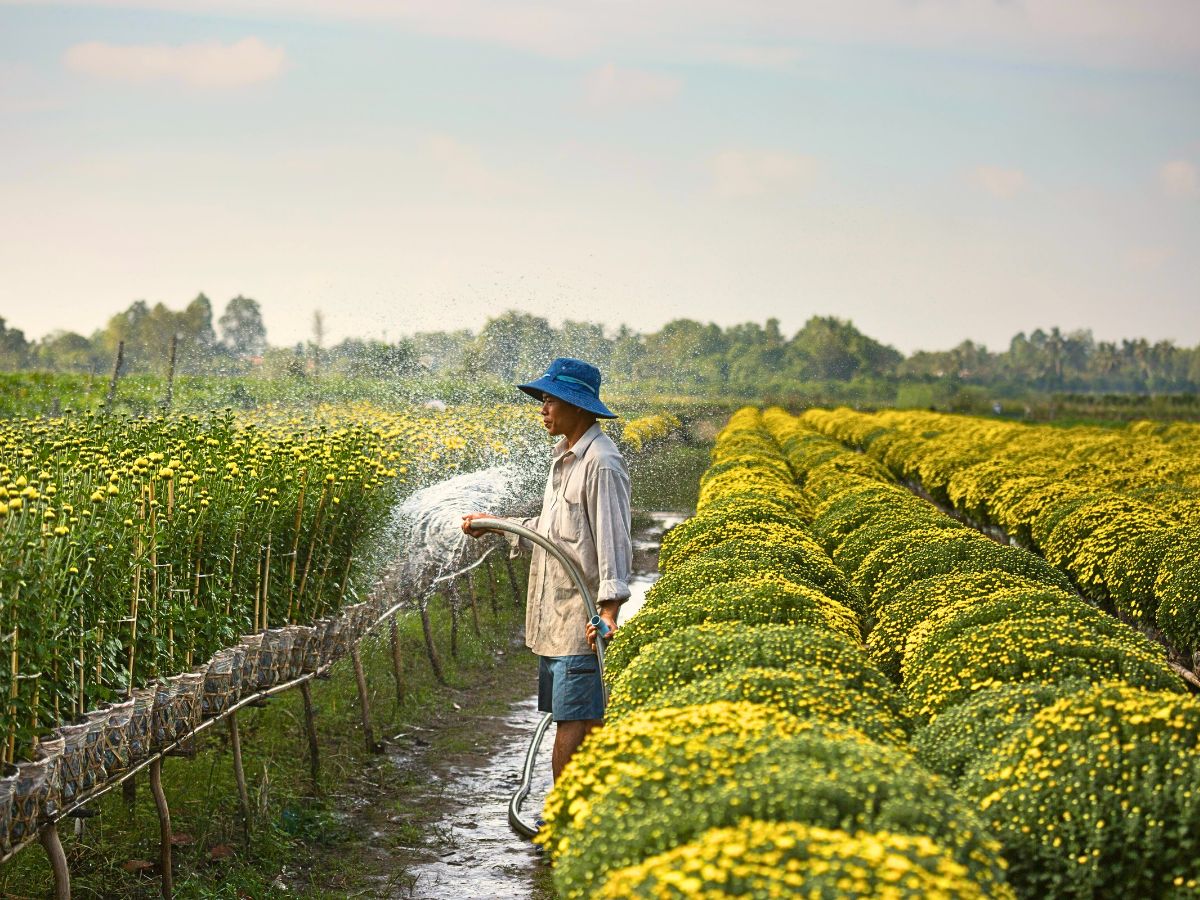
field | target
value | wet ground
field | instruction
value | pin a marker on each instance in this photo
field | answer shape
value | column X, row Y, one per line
column 433, row 814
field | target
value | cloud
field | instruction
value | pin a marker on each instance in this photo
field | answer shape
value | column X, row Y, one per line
column 206, row 65
column 752, row 173
column 998, row 181
column 612, row 86
column 1113, row 33
column 1179, row 178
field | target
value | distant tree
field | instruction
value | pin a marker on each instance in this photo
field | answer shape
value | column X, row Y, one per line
column 197, row 339
column 685, row 353
column 514, row 345
column 66, row 351
column 242, row 331
column 828, row 348
column 14, row 348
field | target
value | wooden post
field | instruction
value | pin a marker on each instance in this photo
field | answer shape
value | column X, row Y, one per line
column 116, row 374
column 129, row 791
column 239, row 774
column 452, row 602
column 470, row 580
column 491, row 583
column 310, row 728
column 164, row 829
column 435, row 661
column 397, row 660
column 170, row 374
column 364, row 701
column 512, row 581
column 58, row 861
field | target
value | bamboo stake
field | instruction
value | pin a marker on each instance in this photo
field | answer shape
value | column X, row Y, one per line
column 58, row 861
column 363, row 700
column 239, row 774
column 435, row 662
column 116, row 374
column 451, row 601
column 310, row 728
column 313, row 542
column 491, row 583
column 12, row 698
column 296, row 546
column 397, row 660
column 170, row 374
column 512, row 581
column 164, row 829
column 469, row 578
column 266, row 587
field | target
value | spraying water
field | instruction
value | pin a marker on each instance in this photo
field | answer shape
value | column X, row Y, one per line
column 428, row 524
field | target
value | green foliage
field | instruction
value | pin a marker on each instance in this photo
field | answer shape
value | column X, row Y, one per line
column 865, row 703
column 658, row 779
column 759, row 600
column 682, row 658
column 974, row 728
column 1177, row 590
column 896, row 564
column 1131, row 570
column 1096, row 796
column 1011, row 640
column 787, row 859
column 900, row 613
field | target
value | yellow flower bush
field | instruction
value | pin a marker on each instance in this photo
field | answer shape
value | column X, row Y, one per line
column 639, row 432
column 1010, row 640
column 759, row 600
column 865, row 703
column 971, row 730
column 658, row 779
column 782, row 860
column 901, row 612
column 1096, row 796
column 1103, row 505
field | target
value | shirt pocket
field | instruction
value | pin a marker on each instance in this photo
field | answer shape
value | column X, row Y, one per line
column 571, row 517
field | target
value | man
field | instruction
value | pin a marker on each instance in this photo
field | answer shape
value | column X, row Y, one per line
column 585, row 510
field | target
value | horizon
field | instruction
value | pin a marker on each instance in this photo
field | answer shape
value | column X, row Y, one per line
column 933, row 173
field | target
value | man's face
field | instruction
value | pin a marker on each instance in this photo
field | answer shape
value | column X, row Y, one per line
column 560, row 417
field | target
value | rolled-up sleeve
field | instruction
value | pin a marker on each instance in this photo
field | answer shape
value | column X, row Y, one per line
column 516, row 544
column 608, row 501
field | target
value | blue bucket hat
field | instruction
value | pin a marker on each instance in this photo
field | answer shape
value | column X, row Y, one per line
column 573, row 381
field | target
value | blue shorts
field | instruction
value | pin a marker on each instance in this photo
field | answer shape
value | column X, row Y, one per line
column 569, row 688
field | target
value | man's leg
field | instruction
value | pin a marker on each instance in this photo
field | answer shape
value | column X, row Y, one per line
column 567, row 738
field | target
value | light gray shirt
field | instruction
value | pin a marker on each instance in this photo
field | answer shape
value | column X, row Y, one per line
column 585, row 510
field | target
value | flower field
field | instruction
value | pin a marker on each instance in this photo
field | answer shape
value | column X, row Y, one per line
column 1118, row 510
column 837, row 689
column 137, row 548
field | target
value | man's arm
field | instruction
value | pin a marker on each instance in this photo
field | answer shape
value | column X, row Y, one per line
column 608, row 500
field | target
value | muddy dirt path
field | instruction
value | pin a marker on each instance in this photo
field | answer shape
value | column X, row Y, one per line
column 432, row 813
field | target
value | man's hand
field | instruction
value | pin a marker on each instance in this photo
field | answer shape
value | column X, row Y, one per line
column 477, row 532
column 609, row 616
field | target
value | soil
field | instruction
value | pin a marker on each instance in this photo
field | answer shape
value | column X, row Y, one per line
column 428, row 819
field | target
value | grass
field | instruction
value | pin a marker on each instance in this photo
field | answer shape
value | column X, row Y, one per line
column 290, row 823
column 668, row 479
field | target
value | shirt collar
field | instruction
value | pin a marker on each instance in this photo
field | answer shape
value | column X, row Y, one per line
column 581, row 445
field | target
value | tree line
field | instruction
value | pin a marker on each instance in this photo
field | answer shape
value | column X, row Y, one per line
column 827, row 354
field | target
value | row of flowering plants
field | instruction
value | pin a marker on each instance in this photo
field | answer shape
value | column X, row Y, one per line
column 751, row 747
column 1066, row 727
column 155, row 569
column 1118, row 510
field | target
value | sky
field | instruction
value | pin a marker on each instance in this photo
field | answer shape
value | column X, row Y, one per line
column 933, row 170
